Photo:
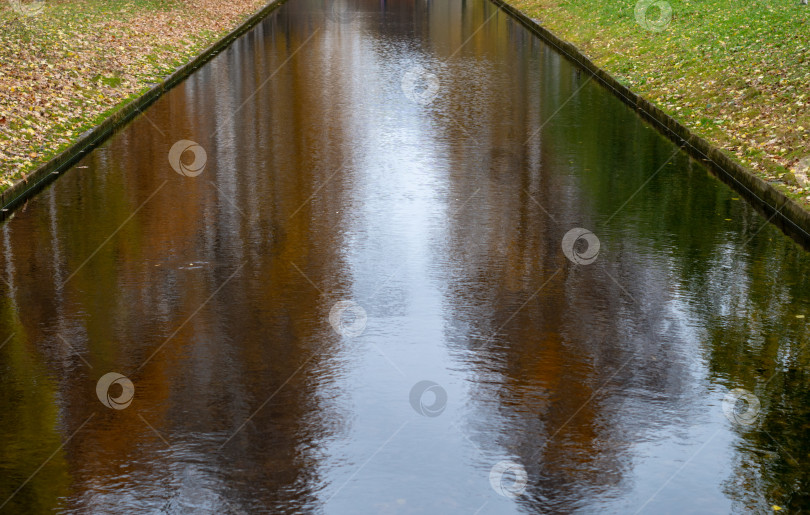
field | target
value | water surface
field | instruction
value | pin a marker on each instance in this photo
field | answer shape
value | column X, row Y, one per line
column 420, row 162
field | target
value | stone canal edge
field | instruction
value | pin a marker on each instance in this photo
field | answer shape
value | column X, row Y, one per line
column 779, row 209
column 784, row 212
column 27, row 187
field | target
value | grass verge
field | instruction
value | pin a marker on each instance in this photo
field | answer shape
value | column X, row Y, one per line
column 66, row 65
column 735, row 73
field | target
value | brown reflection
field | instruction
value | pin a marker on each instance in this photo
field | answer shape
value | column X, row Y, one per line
column 556, row 347
column 324, row 183
column 195, row 298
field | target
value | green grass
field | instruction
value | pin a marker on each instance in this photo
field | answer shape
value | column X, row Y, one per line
column 738, row 73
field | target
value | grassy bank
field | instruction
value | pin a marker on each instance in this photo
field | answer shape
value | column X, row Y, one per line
column 736, row 73
column 65, row 65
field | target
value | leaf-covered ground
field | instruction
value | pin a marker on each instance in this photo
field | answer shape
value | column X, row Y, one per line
column 63, row 68
column 738, row 73
column 735, row 72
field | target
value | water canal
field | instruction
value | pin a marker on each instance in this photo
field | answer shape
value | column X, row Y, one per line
column 356, row 296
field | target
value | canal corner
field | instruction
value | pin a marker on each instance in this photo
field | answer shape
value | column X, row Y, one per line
column 787, row 214
column 26, row 187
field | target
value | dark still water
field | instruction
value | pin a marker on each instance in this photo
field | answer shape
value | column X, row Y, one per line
column 361, row 293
